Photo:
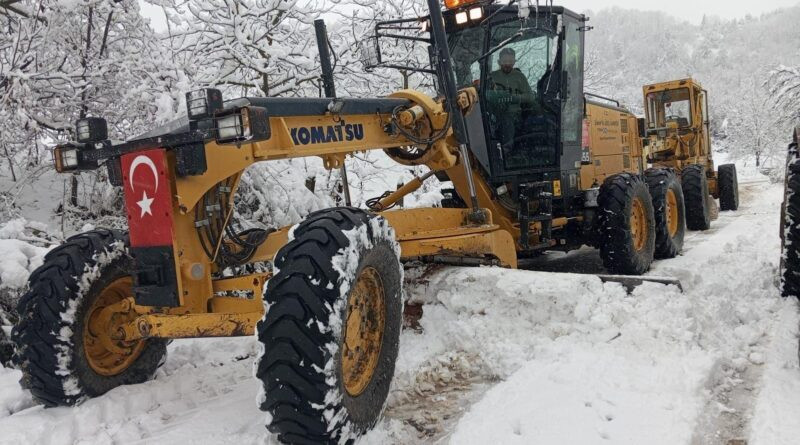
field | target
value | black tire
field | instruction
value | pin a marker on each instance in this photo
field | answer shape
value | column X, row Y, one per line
column 302, row 332
column 52, row 314
column 660, row 182
column 615, row 236
column 728, row 184
column 6, row 349
column 790, row 227
column 695, row 194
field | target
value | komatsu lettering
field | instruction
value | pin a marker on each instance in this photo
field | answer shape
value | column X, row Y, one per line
column 327, row 134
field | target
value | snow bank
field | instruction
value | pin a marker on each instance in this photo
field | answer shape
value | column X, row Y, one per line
column 18, row 255
column 777, row 412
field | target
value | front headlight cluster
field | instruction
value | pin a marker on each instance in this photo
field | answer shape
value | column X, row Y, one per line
column 202, row 104
column 91, row 129
column 243, row 124
column 65, row 158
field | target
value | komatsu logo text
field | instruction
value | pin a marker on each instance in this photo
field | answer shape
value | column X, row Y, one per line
column 327, row 134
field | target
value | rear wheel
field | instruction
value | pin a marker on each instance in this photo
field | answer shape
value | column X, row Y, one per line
column 728, row 184
column 669, row 211
column 626, row 225
column 695, row 192
column 66, row 338
column 330, row 334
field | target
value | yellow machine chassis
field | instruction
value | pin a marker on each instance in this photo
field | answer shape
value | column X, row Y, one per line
column 427, row 233
column 694, row 147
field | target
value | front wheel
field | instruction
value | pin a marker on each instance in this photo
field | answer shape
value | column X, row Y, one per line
column 66, row 341
column 626, row 225
column 331, row 330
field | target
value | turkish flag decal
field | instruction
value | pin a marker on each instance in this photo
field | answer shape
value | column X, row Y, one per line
column 148, row 198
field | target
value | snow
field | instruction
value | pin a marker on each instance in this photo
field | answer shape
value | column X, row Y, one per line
column 506, row 356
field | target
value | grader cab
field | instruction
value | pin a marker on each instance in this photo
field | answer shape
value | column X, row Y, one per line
column 677, row 136
column 538, row 164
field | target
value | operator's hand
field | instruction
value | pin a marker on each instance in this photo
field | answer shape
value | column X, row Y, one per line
column 504, row 98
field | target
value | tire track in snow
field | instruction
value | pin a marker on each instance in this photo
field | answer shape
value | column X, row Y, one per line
column 733, row 383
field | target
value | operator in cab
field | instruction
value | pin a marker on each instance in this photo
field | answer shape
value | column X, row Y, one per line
column 509, row 94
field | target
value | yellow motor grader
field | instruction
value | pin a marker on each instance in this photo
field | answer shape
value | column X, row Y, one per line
column 539, row 166
column 676, row 132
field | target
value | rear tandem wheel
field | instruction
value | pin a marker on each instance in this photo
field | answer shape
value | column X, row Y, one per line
column 626, row 225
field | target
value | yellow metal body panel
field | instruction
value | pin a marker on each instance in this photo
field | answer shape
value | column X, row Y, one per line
column 614, row 144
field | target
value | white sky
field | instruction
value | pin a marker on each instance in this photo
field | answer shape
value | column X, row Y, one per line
column 692, row 10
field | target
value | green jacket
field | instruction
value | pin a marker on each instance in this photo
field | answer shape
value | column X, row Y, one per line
column 515, row 84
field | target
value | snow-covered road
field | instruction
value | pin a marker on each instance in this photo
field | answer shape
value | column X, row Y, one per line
column 518, row 357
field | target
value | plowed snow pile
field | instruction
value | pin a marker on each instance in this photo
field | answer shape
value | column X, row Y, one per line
column 517, row 357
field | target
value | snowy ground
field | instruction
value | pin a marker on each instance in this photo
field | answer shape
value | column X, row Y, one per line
column 519, row 357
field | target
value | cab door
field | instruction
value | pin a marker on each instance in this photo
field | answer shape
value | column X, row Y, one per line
column 572, row 108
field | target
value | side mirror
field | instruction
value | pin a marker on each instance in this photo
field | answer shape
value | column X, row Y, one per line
column 369, row 53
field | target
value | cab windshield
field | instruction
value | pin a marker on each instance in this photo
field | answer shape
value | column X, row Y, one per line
column 670, row 106
column 520, row 95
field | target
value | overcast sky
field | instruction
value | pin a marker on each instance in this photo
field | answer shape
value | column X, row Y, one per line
column 692, row 10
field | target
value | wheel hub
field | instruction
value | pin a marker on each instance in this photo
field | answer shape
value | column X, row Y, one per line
column 638, row 224
column 106, row 353
column 672, row 213
column 363, row 331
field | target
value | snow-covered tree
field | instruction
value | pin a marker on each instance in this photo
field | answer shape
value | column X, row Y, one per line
column 754, row 127
column 252, row 47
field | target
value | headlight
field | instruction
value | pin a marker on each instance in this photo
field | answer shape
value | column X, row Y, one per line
column 202, row 104
column 65, row 158
column 231, row 128
column 91, row 129
column 475, row 13
column 243, row 124
column 461, row 17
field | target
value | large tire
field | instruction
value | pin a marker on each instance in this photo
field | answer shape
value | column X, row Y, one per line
column 311, row 387
column 790, row 225
column 695, row 193
column 669, row 211
column 6, row 349
column 728, row 184
column 58, row 363
column 626, row 225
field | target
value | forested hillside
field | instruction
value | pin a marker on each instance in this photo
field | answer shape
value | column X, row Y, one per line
column 745, row 64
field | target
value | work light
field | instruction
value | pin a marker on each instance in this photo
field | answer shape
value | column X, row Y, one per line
column 475, row 13
column 65, row 158
column 243, row 124
column 91, row 129
column 202, row 104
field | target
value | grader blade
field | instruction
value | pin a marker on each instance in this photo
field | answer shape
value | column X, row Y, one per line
column 630, row 282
